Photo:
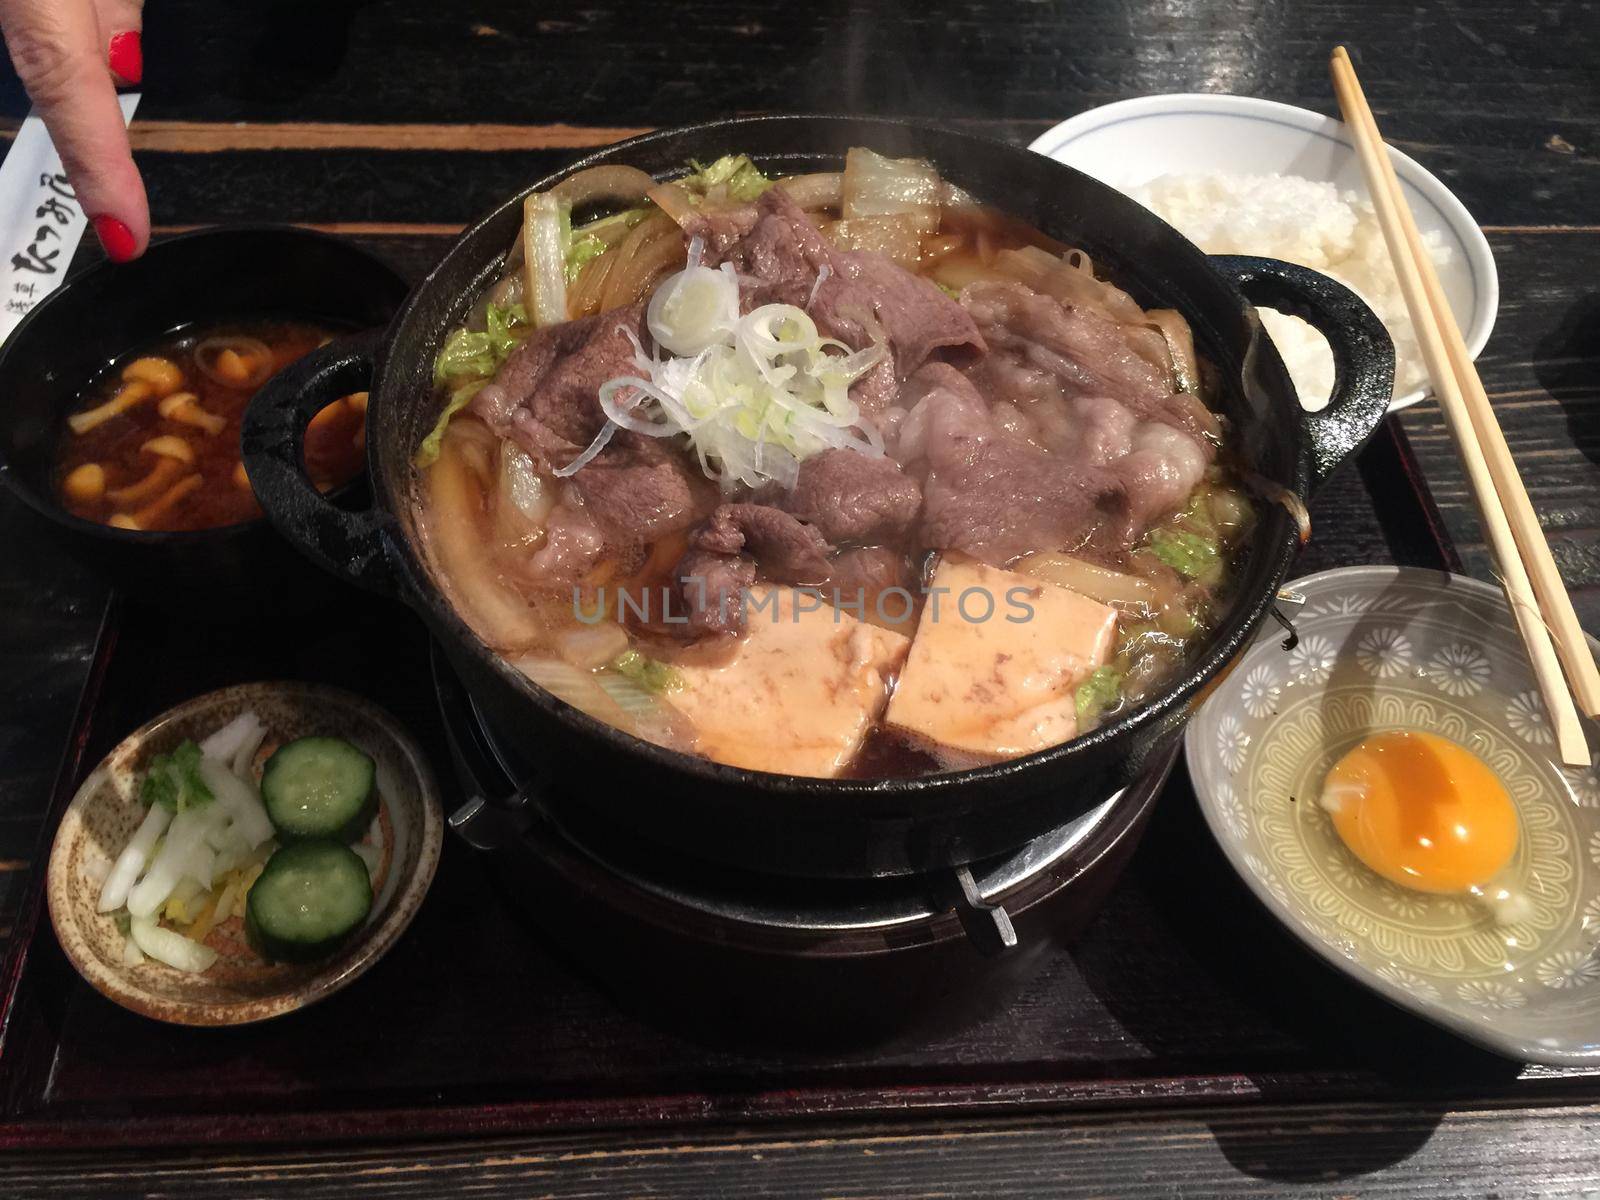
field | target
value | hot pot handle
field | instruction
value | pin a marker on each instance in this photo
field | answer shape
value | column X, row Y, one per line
column 349, row 544
column 1363, row 354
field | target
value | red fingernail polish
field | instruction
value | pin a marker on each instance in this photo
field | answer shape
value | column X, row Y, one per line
column 116, row 237
column 126, row 57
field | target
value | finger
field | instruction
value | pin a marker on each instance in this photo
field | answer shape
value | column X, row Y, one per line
column 57, row 49
column 121, row 23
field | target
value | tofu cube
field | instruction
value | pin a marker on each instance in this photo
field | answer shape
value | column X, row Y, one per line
column 995, row 666
column 803, row 687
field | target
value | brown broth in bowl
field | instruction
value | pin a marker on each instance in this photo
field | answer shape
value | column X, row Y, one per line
column 154, row 441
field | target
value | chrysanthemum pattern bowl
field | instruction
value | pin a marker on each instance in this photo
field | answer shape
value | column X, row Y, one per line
column 1391, row 648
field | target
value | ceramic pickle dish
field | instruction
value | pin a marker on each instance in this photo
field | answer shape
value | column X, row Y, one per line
column 240, row 987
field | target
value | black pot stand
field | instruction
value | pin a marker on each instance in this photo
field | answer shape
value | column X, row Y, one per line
column 810, row 960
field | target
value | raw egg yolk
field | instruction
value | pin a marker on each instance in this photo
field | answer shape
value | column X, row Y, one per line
column 1422, row 811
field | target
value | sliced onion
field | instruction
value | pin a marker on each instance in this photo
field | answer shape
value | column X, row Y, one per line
column 166, row 946
column 1279, row 494
column 239, row 800
column 675, row 200
column 583, row 297
column 652, row 247
column 591, row 646
column 1071, row 280
column 822, row 190
column 1087, row 579
column 131, row 862
column 1179, row 338
column 507, row 292
column 185, row 836
column 225, row 742
column 626, row 184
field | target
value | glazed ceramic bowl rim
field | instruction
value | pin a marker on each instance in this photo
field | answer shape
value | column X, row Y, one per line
column 375, row 941
column 1480, row 263
column 1289, row 915
column 40, row 314
column 392, row 492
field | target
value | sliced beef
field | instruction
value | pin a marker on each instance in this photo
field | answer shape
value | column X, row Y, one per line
column 573, row 546
column 720, row 228
column 787, row 551
column 1161, row 469
column 712, row 587
column 722, row 561
column 783, row 253
column 858, row 577
column 547, row 447
column 988, row 492
column 1090, row 395
column 551, row 382
column 914, row 316
column 859, row 298
column 638, row 489
column 853, row 497
column 1040, row 346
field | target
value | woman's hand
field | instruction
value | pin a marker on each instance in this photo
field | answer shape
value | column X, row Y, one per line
column 69, row 53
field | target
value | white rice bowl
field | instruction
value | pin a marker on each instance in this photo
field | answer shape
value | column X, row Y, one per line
column 1304, row 221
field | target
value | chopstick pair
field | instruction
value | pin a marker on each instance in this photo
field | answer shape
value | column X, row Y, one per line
column 1538, row 599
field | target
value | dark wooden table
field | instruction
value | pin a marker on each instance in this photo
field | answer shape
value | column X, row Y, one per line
column 397, row 123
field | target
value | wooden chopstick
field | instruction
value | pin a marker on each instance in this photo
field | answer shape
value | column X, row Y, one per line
column 1554, row 602
column 1510, row 526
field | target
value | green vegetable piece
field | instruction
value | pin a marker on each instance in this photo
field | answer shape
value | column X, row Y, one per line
column 1188, row 554
column 308, row 900
column 428, row 451
column 469, row 360
column 582, row 252
column 648, row 673
column 466, row 354
column 173, row 780
column 123, row 920
column 742, row 178
column 471, row 354
column 316, row 787
column 1098, row 693
column 584, row 244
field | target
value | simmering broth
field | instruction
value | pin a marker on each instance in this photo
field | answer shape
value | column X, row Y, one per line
column 838, row 474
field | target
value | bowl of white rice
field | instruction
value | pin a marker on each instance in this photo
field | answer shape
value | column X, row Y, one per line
column 1292, row 189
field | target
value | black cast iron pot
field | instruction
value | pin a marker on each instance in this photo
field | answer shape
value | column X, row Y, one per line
column 791, row 824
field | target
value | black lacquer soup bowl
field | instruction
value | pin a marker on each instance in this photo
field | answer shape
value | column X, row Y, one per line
column 245, row 271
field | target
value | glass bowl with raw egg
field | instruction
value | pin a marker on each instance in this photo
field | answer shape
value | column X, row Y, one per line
column 126, row 387
column 1386, row 783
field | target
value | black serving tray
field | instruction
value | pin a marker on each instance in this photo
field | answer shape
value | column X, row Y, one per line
column 1181, row 992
